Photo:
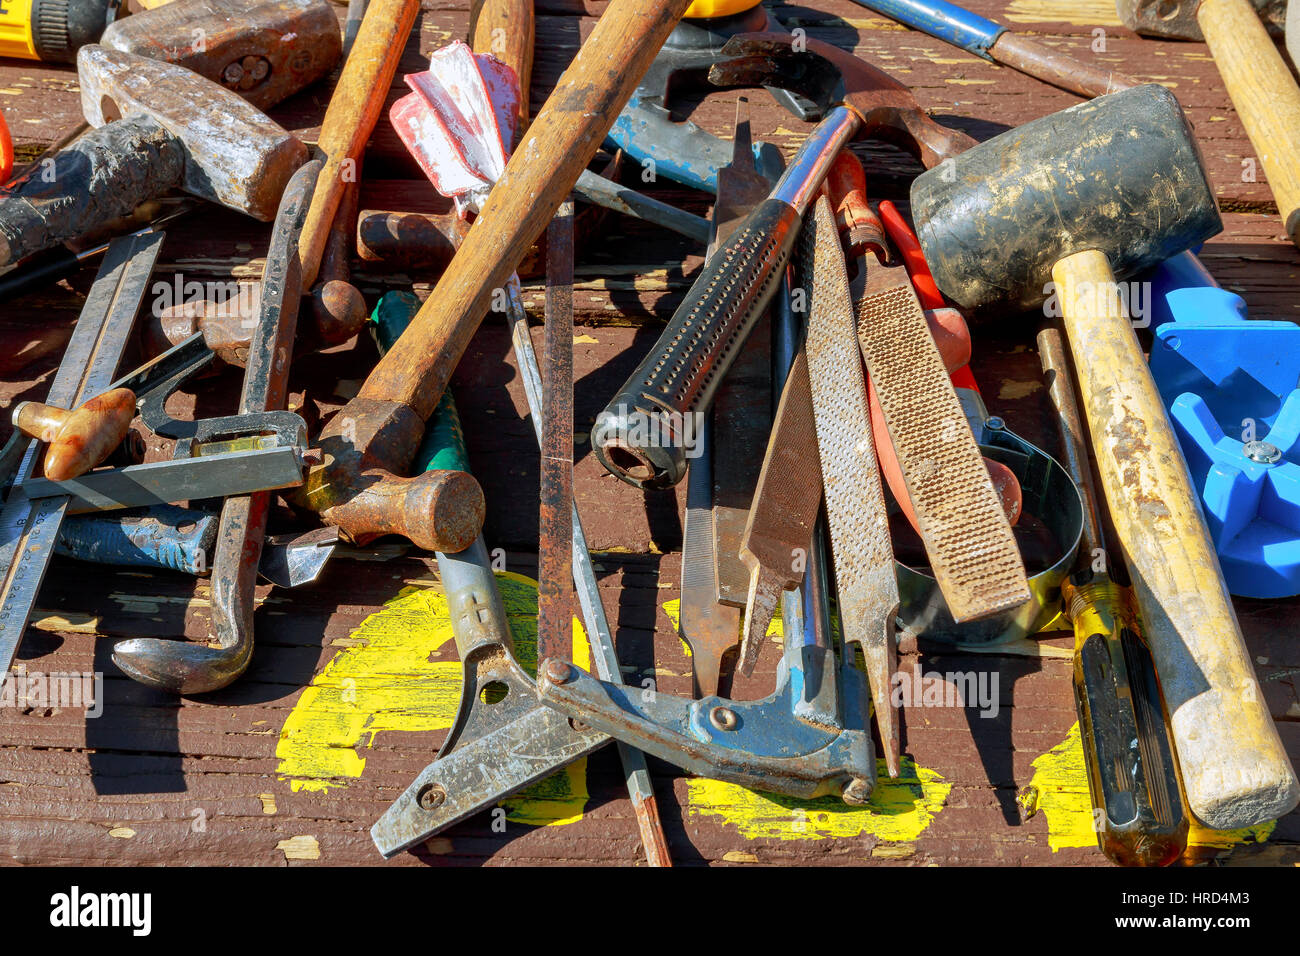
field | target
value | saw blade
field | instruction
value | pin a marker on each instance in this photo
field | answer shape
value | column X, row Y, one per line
column 968, row 540
column 855, row 500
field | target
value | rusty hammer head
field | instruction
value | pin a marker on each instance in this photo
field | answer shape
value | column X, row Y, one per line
column 1120, row 175
column 1177, row 18
column 829, row 77
column 355, row 491
column 264, row 50
column 234, row 153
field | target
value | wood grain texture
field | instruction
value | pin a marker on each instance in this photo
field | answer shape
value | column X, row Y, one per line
column 358, row 98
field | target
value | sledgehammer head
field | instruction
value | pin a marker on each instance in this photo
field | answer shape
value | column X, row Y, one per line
column 234, row 153
column 1120, row 175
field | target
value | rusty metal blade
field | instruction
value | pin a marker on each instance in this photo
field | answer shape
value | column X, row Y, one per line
column 742, row 411
column 855, row 498
column 555, row 545
column 710, row 627
column 968, row 539
column 781, row 518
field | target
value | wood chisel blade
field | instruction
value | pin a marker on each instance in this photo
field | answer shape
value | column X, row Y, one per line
column 968, row 540
column 742, row 411
column 855, row 500
column 29, row 529
column 786, row 503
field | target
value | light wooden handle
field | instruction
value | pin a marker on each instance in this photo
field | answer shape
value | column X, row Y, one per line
column 540, row 174
column 1264, row 94
column 504, row 28
column 354, row 109
column 1235, row 771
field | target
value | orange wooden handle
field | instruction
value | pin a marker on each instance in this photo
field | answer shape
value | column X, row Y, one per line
column 354, row 109
column 81, row 438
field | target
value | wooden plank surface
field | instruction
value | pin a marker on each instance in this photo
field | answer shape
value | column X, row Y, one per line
column 218, row 780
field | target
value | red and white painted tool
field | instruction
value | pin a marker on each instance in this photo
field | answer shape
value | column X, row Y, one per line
column 460, row 122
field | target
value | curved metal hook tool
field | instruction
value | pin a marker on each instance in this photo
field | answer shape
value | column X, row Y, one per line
column 190, row 668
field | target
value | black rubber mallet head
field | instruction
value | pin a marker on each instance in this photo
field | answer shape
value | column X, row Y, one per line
column 1120, row 174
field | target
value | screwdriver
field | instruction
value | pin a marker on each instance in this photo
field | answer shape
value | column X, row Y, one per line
column 1138, row 809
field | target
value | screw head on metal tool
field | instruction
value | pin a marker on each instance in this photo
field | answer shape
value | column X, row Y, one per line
column 1262, row 452
column 724, row 718
column 857, row 791
column 431, row 797
column 558, row 671
column 994, row 423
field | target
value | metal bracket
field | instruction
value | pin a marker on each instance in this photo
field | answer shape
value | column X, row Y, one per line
column 766, row 745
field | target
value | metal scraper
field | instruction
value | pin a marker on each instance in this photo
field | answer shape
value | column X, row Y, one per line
column 786, row 502
column 855, row 499
column 967, row 537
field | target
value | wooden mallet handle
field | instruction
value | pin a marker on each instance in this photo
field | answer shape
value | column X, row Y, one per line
column 1235, row 771
column 1264, row 94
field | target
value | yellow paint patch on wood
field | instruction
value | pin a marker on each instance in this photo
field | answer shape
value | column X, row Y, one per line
column 64, row 622
column 1060, row 785
column 121, row 833
column 1079, row 12
column 389, row 682
column 439, row 845
column 899, row 811
column 673, row 609
column 1011, row 390
column 299, row 848
column 268, row 803
column 585, row 340
column 739, row 856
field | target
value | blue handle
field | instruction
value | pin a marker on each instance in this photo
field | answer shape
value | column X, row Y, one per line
column 947, row 21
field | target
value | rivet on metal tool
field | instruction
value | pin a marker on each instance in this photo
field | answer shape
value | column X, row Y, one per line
column 558, row 671
column 856, row 792
column 723, row 718
column 1262, row 452
column 995, row 423
column 431, row 797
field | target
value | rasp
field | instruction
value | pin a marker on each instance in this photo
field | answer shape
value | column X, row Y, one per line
column 29, row 528
column 855, row 499
column 555, row 518
column 968, row 540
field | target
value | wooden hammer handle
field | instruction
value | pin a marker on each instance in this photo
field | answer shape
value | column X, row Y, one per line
column 1235, row 772
column 354, row 109
column 541, row 173
column 1264, row 94
column 505, row 29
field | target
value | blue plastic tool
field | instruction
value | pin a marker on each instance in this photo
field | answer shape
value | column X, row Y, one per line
column 947, row 21
column 1232, row 387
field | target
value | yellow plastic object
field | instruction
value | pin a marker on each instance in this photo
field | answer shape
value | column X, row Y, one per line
column 708, row 9
column 16, row 29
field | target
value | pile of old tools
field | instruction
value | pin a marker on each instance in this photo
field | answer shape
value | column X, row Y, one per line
column 812, row 389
